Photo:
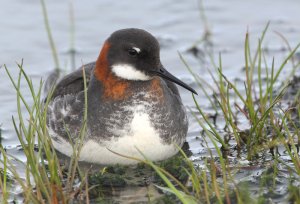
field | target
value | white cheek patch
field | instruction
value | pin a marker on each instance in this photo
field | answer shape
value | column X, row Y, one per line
column 129, row 72
column 138, row 50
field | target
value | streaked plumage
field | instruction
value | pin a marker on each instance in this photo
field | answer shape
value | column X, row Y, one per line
column 141, row 109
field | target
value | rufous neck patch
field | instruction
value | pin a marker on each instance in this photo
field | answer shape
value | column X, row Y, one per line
column 156, row 88
column 114, row 88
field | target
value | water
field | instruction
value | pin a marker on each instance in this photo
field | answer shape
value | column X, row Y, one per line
column 177, row 25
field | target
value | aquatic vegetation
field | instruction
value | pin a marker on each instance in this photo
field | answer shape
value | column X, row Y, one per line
column 179, row 178
column 44, row 178
column 271, row 126
column 242, row 165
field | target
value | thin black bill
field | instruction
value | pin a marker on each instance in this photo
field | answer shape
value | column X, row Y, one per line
column 162, row 72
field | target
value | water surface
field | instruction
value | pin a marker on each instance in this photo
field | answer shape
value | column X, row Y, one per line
column 177, row 25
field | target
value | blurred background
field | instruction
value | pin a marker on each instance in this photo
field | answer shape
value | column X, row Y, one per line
column 191, row 27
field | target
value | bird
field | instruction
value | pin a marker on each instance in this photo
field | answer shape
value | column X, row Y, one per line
column 133, row 109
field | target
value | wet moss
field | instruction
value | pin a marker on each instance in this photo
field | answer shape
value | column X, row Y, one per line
column 102, row 184
column 176, row 166
column 106, row 180
column 116, row 169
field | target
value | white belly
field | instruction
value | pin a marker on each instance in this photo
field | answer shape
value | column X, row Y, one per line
column 142, row 137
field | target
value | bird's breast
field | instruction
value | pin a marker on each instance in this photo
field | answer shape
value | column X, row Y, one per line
column 140, row 137
column 135, row 119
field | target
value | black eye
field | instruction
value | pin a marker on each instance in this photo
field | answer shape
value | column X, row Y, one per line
column 133, row 52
